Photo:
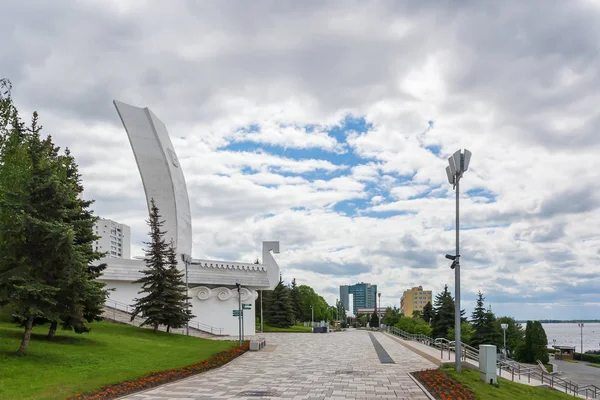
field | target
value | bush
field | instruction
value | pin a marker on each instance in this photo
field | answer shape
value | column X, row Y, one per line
column 592, row 358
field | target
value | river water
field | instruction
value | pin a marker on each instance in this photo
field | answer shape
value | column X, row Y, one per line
column 570, row 335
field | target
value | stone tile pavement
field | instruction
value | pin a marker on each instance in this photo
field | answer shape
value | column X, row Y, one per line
column 340, row 365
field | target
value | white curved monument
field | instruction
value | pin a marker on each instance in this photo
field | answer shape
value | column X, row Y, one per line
column 212, row 283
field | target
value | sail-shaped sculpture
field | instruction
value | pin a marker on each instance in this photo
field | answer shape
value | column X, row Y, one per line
column 161, row 173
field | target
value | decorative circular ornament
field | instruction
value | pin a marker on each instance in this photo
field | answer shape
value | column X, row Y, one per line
column 203, row 293
column 223, row 293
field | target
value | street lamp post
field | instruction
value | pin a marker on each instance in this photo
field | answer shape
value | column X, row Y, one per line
column 238, row 286
column 377, row 311
column 581, row 327
column 504, row 327
column 187, row 259
column 458, row 164
column 312, row 317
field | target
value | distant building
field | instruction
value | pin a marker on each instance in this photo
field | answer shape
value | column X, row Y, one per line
column 414, row 300
column 363, row 296
column 369, row 311
column 115, row 239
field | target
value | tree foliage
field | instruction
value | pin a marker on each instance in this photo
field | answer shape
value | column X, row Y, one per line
column 391, row 316
column 45, row 229
column 152, row 306
column 535, row 344
column 428, row 312
column 176, row 301
column 280, row 312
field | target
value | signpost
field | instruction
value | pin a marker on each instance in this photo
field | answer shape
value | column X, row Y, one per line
column 236, row 313
column 247, row 306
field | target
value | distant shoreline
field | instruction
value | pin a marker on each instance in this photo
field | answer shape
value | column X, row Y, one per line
column 562, row 321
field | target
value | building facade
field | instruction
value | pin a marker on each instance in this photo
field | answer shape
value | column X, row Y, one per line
column 414, row 299
column 115, row 238
column 216, row 287
column 363, row 296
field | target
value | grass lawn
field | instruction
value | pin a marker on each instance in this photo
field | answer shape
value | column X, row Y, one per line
column 74, row 363
column 507, row 390
column 295, row 328
column 593, row 365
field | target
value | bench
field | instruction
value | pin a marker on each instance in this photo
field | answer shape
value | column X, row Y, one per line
column 258, row 344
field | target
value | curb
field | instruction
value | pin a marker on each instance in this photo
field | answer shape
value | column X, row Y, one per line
column 421, row 386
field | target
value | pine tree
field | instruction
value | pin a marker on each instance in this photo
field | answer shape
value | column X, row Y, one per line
column 176, row 307
column 374, row 322
column 152, row 305
column 36, row 245
column 444, row 314
column 280, row 312
column 478, row 320
column 428, row 312
column 81, row 297
column 295, row 298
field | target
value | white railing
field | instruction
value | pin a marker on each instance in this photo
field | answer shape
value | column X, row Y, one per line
column 507, row 365
column 116, row 305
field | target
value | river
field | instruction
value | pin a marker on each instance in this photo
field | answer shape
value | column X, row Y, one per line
column 570, row 335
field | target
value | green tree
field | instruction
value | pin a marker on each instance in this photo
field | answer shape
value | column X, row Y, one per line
column 466, row 332
column 280, row 312
column 478, row 318
column 295, row 297
column 176, row 307
column 36, row 245
column 81, row 296
column 515, row 335
column 415, row 325
column 391, row 316
column 152, row 305
column 374, row 321
column 443, row 318
column 535, row 344
column 428, row 312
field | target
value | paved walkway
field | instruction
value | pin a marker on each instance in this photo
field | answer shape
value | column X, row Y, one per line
column 340, row 365
column 579, row 372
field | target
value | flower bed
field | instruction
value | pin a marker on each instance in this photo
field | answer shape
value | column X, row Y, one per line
column 441, row 386
column 161, row 377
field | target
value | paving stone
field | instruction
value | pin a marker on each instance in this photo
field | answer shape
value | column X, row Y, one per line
column 340, row 365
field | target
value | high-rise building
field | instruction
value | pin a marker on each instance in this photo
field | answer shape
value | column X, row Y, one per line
column 114, row 239
column 414, row 299
column 363, row 296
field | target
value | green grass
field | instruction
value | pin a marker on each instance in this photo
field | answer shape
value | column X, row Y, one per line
column 593, row 365
column 506, row 390
column 571, row 361
column 74, row 363
column 295, row 328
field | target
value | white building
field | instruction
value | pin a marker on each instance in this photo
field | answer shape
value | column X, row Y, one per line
column 216, row 287
column 115, row 238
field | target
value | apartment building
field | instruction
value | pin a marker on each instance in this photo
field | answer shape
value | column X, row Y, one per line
column 414, row 299
column 115, row 238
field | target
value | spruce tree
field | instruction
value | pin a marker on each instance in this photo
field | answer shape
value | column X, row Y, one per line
column 36, row 245
column 295, row 298
column 478, row 320
column 152, row 305
column 176, row 307
column 374, row 322
column 444, row 314
column 428, row 312
column 280, row 312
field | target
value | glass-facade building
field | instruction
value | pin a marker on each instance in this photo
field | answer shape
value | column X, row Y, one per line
column 363, row 296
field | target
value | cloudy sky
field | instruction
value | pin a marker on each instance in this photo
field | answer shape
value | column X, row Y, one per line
column 326, row 125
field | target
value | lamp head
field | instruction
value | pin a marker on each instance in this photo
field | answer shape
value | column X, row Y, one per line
column 450, row 257
column 504, row 326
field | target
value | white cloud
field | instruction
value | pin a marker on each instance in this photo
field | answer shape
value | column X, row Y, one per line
column 516, row 90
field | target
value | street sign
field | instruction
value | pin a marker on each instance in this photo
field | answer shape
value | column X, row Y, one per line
column 236, row 313
column 246, row 306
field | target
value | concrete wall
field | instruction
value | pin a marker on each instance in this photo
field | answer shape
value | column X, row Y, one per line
column 211, row 306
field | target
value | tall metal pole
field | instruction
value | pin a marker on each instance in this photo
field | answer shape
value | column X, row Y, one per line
column 457, row 343
column 505, row 343
column 187, row 299
column 240, row 313
column 261, row 313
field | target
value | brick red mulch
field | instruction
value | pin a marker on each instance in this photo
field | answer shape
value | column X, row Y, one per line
column 441, row 386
